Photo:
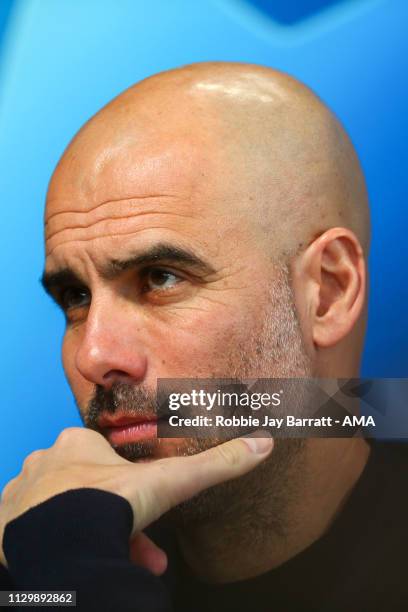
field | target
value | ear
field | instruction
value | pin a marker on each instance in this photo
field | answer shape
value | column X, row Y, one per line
column 331, row 274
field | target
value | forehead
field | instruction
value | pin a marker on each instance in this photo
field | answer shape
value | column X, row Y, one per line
column 108, row 192
column 92, row 172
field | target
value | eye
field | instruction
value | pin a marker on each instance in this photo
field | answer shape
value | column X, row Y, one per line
column 158, row 279
column 74, row 297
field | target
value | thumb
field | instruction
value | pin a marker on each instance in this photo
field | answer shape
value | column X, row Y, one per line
column 168, row 482
column 143, row 551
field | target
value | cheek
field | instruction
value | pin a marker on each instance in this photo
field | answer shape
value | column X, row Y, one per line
column 204, row 344
column 81, row 388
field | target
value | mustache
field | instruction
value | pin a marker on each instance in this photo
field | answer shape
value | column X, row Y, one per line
column 132, row 399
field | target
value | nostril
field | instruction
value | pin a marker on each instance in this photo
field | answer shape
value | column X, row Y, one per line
column 117, row 376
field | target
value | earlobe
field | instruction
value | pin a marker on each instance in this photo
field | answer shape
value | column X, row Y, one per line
column 339, row 268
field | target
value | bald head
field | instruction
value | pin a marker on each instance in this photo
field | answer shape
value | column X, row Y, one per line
column 271, row 149
column 240, row 167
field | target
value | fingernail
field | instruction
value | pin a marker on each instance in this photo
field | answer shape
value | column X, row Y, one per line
column 259, row 442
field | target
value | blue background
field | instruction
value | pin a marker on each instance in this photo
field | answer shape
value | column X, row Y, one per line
column 60, row 61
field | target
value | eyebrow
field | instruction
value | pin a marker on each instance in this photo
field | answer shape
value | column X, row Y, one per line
column 160, row 253
column 52, row 281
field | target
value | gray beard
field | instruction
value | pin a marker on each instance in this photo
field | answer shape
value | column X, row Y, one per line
column 260, row 499
column 256, row 502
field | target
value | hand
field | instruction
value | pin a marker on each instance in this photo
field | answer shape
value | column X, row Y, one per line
column 83, row 458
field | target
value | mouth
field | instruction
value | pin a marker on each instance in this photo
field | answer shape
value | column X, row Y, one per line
column 125, row 429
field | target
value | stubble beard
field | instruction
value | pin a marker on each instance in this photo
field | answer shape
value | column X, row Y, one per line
column 263, row 495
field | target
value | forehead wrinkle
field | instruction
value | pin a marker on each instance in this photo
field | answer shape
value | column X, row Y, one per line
column 102, row 204
column 115, row 235
column 119, row 217
column 83, row 266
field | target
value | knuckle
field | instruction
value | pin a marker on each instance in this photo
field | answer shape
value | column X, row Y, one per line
column 32, row 459
column 6, row 492
column 69, row 435
column 229, row 454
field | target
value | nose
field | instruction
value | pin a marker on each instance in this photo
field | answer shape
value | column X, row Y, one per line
column 111, row 349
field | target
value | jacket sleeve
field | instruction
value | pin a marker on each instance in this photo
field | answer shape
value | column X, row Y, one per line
column 6, row 584
column 79, row 540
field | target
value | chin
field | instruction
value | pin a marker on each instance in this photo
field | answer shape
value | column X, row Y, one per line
column 162, row 448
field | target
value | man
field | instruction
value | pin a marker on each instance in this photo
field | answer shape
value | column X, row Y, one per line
column 212, row 221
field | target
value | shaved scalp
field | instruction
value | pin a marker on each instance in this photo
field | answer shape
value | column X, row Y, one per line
column 290, row 168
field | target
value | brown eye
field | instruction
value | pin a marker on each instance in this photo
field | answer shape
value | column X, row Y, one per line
column 74, row 297
column 157, row 279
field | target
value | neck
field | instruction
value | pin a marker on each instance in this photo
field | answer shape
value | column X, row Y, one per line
column 252, row 540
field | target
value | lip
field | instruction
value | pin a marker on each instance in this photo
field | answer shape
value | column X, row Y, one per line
column 124, row 429
column 120, row 419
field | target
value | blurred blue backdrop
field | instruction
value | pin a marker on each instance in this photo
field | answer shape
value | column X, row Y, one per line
column 60, row 61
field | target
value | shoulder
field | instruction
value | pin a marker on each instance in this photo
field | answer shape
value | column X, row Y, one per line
column 386, row 485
